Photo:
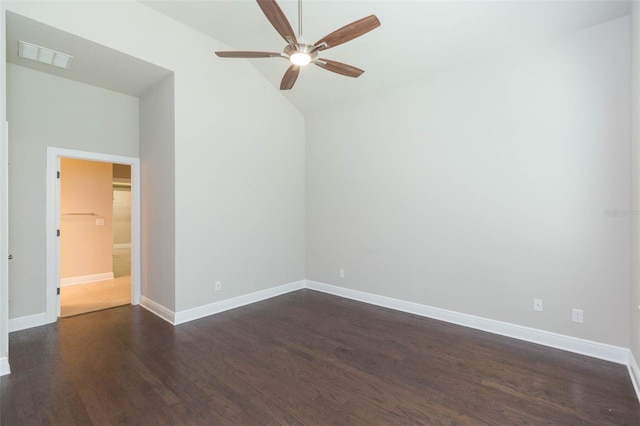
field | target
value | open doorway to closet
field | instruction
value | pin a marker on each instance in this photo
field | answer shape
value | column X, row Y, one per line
column 95, row 237
column 87, row 218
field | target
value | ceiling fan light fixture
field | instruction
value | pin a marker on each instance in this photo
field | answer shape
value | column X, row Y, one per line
column 300, row 58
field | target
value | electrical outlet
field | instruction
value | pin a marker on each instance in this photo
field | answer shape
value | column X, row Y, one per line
column 537, row 304
column 341, row 273
column 218, row 286
column 577, row 315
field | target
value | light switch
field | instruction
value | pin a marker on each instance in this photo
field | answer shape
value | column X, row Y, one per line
column 100, row 222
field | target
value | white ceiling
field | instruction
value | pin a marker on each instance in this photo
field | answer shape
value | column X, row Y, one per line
column 417, row 38
column 92, row 63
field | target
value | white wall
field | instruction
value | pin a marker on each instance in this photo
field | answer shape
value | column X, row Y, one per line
column 45, row 110
column 157, row 174
column 486, row 187
column 239, row 151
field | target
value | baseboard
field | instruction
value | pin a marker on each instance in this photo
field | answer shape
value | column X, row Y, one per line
column 236, row 302
column 28, row 321
column 634, row 373
column 4, row 366
column 157, row 309
column 124, row 245
column 84, row 279
column 572, row 344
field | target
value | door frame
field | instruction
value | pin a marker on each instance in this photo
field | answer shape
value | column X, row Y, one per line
column 4, row 241
column 53, row 223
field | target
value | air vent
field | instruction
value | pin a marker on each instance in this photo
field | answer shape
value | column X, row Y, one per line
column 44, row 55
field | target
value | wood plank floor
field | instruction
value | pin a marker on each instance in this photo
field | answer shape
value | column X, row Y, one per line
column 302, row 358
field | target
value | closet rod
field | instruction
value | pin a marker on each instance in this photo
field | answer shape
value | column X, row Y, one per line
column 79, row 214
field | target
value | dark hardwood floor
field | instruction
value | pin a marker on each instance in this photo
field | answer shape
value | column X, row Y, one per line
column 302, row 358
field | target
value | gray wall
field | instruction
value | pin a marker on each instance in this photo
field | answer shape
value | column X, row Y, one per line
column 239, row 152
column 240, row 193
column 4, row 196
column 475, row 191
column 45, row 110
column 486, row 187
column 157, row 174
column 635, row 181
column 121, row 215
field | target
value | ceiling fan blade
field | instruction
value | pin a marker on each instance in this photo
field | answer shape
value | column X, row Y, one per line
column 241, row 54
column 278, row 19
column 339, row 67
column 349, row 32
column 290, row 77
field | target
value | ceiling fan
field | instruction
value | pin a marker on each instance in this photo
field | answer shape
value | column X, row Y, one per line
column 299, row 51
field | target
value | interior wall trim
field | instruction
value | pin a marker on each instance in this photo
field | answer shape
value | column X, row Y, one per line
column 84, row 279
column 4, row 366
column 598, row 350
column 602, row 351
column 236, row 302
column 27, row 321
column 634, row 373
column 157, row 309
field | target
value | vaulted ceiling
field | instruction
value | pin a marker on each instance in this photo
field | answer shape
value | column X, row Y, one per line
column 417, row 38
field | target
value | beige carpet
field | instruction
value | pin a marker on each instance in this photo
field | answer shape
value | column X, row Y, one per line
column 121, row 262
column 83, row 298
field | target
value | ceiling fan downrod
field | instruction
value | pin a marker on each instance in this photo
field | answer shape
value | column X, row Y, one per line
column 299, row 18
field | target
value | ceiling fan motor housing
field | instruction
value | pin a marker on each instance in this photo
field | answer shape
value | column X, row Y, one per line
column 302, row 48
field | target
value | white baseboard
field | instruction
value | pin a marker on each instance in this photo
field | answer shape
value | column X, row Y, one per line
column 236, row 302
column 4, row 366
column 559, row 341
column 28, row 321
column 571, row 344
column 124, row 245
column 634, row 373
column 84, row 279
column 157, row 309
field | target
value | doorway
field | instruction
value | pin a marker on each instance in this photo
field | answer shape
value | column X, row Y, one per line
column 95, row 236
column 80, row 274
